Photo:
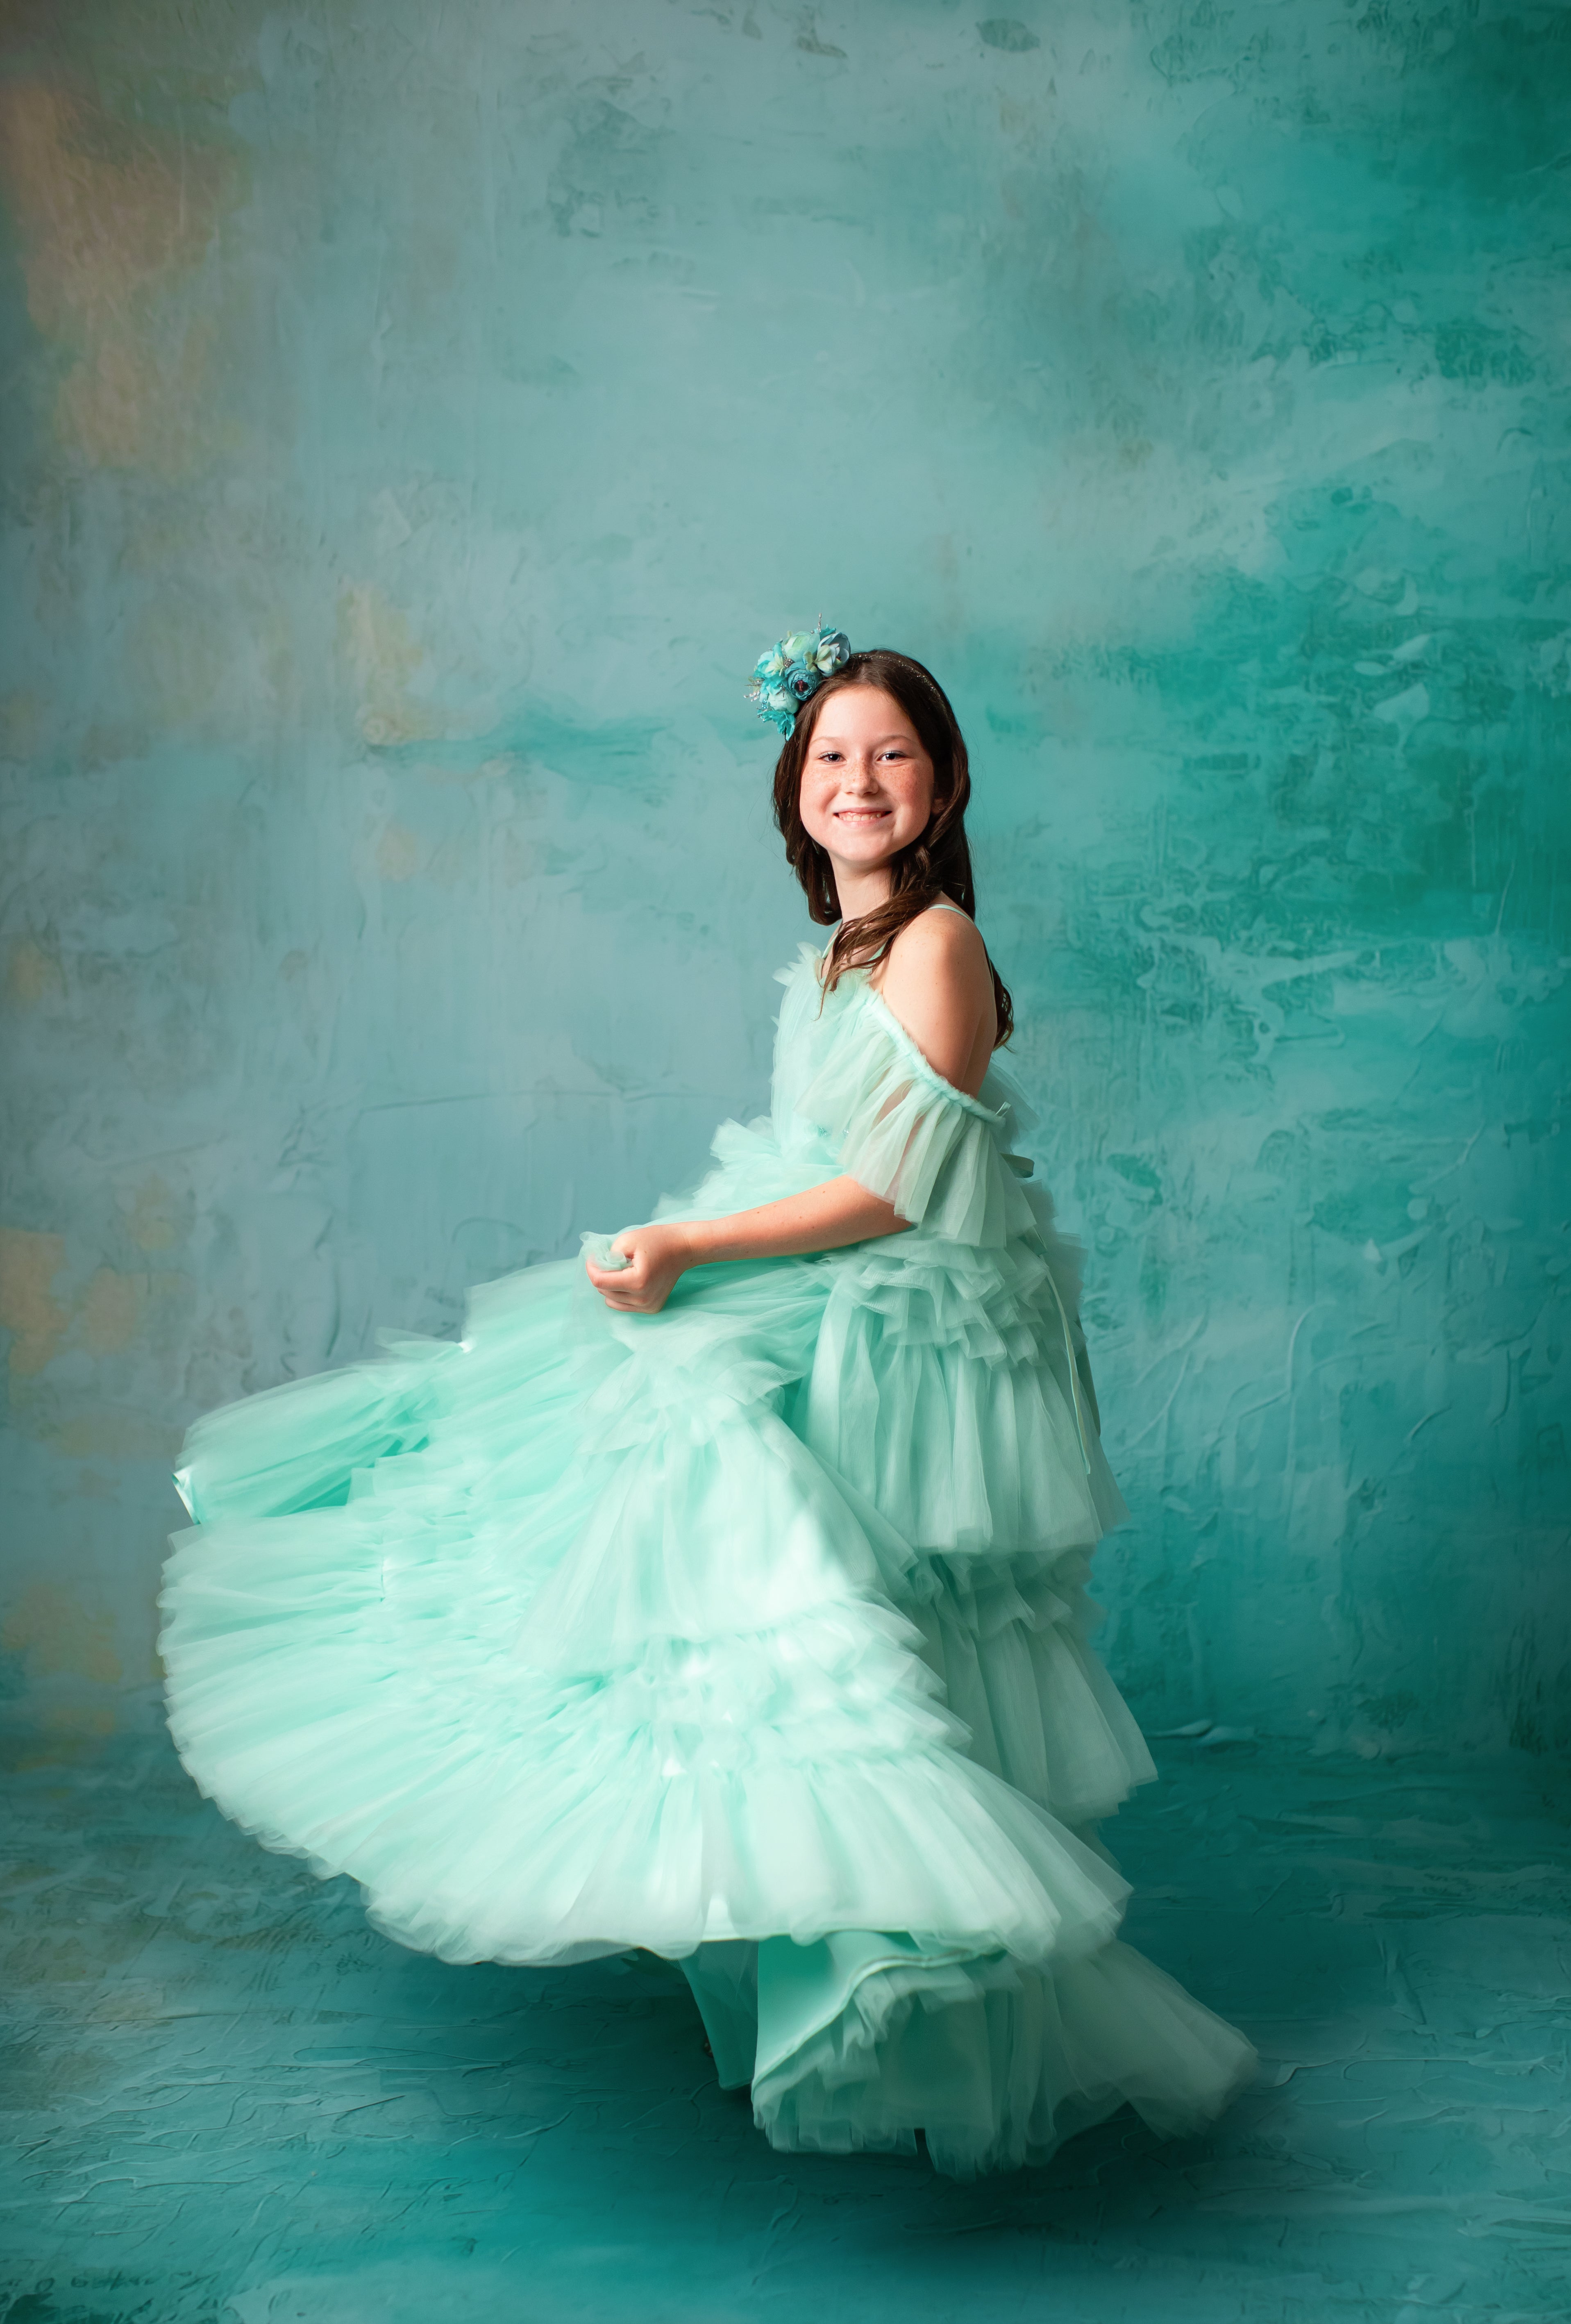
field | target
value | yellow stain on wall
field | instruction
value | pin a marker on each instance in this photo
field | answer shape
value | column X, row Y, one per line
column 151, row 1224
column 23, row 723
column 36, row 1321
column 115, row 1309
column 111, row 215
column 399, row 853
column 74, row 1718
column 57, row 1635
column 31, row 975
column 110, row 1311
column 112, row 1434
column 375, row 639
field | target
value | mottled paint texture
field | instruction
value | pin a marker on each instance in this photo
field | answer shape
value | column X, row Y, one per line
column 417, row 421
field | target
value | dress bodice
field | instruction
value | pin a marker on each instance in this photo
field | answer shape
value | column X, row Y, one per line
column 852, row 1090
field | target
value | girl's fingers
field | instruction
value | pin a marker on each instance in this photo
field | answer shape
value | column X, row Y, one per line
column 625, row 1288
column 630, row 1303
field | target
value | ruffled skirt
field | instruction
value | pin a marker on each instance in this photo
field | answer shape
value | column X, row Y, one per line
column 754, row 1634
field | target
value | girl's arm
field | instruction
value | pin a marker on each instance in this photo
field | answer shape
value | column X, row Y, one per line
column 824, row 1218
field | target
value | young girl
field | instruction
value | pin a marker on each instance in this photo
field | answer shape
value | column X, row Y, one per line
column 724, row 1596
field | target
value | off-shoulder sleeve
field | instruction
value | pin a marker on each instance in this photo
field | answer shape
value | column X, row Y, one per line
column 910, row 1137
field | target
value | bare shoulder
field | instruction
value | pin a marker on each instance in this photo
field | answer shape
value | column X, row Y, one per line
column 937, row 981
column 941, row 946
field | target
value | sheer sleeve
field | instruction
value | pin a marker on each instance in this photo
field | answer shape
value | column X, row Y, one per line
column 910, row 1137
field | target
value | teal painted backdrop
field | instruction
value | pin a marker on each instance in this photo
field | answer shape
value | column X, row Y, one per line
column 418, row 418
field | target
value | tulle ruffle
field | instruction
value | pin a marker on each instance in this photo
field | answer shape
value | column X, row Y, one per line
column 864, row 2039
column 909, row 1136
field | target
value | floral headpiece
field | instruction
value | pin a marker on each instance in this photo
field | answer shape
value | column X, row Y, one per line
column 792, row 672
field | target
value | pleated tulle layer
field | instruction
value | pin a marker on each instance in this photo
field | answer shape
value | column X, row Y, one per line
column 857, row 2042
column 995, row 2062
column 754, row 1634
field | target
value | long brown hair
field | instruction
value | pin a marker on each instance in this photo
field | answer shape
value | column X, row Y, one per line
column 936, row 865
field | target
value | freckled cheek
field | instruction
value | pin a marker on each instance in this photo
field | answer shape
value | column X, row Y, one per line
column 814, row 810
column 914, row 804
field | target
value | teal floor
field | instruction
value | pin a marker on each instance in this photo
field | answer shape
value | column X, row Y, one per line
column 227, row 2099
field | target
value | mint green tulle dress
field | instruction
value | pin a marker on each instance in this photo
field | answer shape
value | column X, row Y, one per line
column 753, row 1634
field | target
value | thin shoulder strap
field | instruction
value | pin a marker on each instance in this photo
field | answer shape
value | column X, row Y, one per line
column 942, row 904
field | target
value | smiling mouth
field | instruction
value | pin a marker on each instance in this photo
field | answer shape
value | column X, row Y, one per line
column 862, row 813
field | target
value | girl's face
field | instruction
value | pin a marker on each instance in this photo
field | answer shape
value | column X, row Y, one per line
column 867, row 782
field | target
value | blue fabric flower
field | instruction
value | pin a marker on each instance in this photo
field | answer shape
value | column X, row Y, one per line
column 791, row 673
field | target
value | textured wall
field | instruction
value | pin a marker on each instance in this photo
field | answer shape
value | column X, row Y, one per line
column 417, row 421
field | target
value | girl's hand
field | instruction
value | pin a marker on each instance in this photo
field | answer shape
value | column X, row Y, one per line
column 659, row 1255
